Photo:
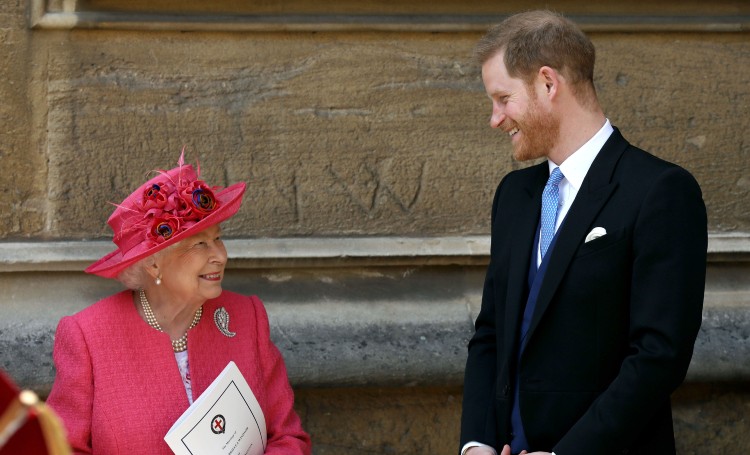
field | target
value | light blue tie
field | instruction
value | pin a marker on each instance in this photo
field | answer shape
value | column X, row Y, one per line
column 550, row 200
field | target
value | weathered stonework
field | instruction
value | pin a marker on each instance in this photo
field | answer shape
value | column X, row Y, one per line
column 363, row 130
column 350, row 134
column 411, row 421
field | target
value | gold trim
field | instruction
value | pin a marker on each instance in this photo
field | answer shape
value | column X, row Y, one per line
column 16, row 415
column 11, row 420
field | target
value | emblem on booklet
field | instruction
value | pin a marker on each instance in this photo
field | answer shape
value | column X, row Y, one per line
column 218, row 424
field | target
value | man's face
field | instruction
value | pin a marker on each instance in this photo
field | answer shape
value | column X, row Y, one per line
column 517, row 109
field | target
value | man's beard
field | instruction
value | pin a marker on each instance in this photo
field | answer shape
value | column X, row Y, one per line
column 539, row 133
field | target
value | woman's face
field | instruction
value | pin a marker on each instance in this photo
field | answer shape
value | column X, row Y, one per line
column 193, row 269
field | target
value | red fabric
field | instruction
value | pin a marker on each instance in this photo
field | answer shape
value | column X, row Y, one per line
column 28, row 439
column 118, row 388
column 8, row 391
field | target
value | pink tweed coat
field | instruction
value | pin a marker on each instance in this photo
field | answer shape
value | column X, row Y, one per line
column 118, row 389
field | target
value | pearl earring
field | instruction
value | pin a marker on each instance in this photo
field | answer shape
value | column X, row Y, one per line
column 158, row 280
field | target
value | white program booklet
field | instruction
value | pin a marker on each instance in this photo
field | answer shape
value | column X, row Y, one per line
column 226, row 419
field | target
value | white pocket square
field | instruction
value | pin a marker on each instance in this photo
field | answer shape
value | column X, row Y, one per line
column 595, row 234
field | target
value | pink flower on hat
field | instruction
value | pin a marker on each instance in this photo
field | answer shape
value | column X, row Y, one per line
column 164, row 227
column 155, row 196
column 199, row 198
column 174, row 205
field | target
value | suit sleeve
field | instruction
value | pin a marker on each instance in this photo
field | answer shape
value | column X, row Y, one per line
column 285, row 433
column 666, row 298
column 478, row 421
column 73, row 390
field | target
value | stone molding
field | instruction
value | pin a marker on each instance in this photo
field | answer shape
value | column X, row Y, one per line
column 64, row 15
column 370, row 311
column 52, row 256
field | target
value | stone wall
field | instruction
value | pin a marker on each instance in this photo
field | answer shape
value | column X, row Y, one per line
column 361, row 129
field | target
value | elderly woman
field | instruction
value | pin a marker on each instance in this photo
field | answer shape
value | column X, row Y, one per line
column 131, row 364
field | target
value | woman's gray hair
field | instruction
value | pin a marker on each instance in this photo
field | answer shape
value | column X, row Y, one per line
column 135, row 276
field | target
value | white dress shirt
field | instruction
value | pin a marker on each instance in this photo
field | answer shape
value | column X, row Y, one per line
column 574, row 170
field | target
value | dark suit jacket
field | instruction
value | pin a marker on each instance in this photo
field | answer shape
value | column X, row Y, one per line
column 616, row 318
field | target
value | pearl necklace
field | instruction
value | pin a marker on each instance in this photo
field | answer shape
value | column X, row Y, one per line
column 179, row 344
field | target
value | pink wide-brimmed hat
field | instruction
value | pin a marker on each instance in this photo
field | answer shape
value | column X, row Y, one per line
column 168, row 208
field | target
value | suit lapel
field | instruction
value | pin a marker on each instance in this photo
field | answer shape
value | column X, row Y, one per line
column 595, row 191
column 522, row 238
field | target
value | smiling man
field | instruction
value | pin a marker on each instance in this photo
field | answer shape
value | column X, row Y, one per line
column 594, row 292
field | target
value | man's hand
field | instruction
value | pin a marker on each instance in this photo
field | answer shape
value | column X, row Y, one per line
column 506, row 451
column 480, row 451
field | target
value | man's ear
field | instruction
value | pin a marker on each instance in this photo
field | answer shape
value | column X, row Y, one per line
column 550, row 79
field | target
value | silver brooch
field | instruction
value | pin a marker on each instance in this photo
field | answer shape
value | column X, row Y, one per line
column 221, row 318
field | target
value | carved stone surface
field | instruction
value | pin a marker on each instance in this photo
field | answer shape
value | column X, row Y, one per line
column 357, row 134
column 335, row 133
